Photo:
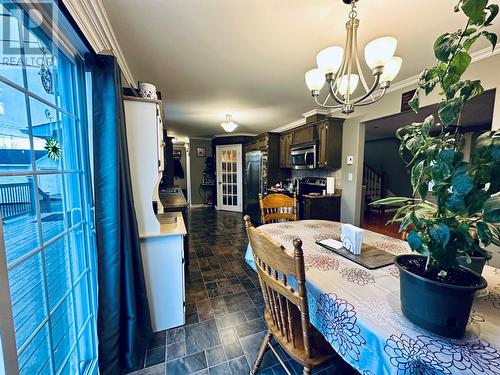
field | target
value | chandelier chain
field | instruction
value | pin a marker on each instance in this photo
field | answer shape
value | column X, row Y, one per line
column 353, row 13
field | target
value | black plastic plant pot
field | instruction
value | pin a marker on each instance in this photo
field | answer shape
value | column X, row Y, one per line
column 477, row 263
column 440, row 308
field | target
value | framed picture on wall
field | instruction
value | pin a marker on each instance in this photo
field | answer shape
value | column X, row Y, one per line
column 201, row 152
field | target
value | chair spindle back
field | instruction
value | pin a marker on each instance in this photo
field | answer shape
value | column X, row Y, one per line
column 284, row 304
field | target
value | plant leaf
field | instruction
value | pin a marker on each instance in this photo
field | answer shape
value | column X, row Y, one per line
column 450, row 110
column 423, row 189
column 440, row 171
column 462, row 183
column 392, row 200
column 470, row 89
column 483, row 232
column 493, row 8
column 474, row 9
column 460, row 63
column 444, row 46
column 492, row 38
column 475, row 201
column 414, row 240
column 414, row 103
column 440, row 233
column 491, row 210
column 416, row 174
column 455, row 203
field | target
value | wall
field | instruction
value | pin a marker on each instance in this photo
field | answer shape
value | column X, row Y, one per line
column 197, row 166
column 353, row 142
column 182, row 182
column 382, row 155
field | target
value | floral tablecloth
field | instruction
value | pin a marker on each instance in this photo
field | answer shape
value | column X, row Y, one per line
column 358, row 310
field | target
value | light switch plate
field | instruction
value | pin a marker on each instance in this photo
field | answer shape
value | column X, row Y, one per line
column 349, row 176
column 350, row 160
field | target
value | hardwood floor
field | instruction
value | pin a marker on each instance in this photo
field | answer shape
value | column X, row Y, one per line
column 224, row 324
column 378, row 223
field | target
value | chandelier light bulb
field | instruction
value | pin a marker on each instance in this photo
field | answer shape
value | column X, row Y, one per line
column 342, row 84
column 315, row 79
column 391, row 69
column 330, row 59
column 379, row 51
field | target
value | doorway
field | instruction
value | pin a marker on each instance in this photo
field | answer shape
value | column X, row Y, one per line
column 229, row 177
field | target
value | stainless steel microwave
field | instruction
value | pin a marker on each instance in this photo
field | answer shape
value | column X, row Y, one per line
column 304, row 156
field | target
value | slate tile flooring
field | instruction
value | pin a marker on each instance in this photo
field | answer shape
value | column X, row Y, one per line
column 224, row 307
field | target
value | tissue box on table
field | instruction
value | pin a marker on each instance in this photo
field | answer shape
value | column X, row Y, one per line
column 352, row 238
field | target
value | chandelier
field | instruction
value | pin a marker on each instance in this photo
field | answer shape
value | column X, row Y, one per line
column 340, row 68
column 228, row 125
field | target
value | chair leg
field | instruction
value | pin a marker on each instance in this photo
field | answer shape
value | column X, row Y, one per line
column 307, row 371
column 262, row 351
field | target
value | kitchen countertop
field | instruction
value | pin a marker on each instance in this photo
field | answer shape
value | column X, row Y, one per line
column 171, row 224
column 173, row 199
column 337, row 194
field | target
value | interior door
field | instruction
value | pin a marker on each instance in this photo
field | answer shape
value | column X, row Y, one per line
column 229, row 178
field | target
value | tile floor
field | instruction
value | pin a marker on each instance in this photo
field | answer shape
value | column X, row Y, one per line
column 224, row 306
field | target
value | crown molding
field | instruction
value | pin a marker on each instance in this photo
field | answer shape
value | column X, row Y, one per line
column 477, row 56
column 200, row 138
column 316, row 111
column 234, row 135
column 92, row 19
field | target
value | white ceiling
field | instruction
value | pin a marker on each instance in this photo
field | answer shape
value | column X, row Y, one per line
column 248, row 57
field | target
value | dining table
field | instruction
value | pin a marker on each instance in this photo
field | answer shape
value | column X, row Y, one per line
column 358, row 310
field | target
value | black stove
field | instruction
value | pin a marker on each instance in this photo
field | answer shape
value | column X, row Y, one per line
column 310, row 185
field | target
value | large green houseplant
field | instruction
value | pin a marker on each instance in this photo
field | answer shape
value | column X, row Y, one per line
column 457, row 207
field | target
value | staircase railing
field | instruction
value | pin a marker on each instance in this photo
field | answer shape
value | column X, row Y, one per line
column 374, row 184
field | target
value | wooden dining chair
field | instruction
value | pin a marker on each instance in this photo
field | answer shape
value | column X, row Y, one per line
column 278, row 207
column 286, row 310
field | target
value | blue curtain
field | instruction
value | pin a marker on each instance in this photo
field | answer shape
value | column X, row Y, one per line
column 123, row 321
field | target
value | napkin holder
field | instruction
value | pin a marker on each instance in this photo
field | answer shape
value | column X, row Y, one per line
column 352, row 238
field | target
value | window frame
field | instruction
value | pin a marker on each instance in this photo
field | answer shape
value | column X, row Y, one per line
column 79, row 97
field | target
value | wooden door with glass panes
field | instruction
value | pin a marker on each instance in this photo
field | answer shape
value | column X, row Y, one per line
column 229, row 177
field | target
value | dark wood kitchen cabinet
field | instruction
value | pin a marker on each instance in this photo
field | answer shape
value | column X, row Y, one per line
column 285, row 146
column 324, row 207
column 330, row 143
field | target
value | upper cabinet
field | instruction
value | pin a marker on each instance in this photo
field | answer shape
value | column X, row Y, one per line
column 285, row 146
column 259, row 143
column 330, row 143
column 326, row 131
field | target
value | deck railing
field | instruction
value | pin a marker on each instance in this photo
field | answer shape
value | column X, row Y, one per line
column 19, row 199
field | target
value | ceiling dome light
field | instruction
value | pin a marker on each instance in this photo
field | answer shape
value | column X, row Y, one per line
column 228, row 125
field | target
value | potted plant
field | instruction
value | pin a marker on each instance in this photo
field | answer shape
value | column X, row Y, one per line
column 450, row 230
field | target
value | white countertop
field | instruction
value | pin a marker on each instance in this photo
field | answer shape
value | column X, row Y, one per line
column 168, row 228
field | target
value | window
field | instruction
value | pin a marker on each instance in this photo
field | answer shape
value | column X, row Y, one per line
column 45, row 200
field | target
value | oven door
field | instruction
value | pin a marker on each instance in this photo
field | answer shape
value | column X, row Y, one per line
column 304, row 157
